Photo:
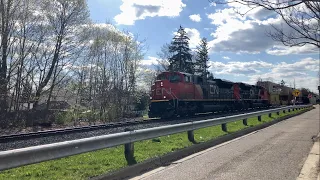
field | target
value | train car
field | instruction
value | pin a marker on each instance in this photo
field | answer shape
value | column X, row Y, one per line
column 181, row 94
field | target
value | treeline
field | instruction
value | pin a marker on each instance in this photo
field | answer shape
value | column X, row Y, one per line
column 50, row 48
column 177, row 56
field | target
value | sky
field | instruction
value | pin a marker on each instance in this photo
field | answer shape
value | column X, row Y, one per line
column 240, row 49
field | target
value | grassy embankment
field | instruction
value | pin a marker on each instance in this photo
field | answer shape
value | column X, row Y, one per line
column 99, row 162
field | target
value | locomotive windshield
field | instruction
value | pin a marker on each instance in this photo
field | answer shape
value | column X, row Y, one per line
column 162, row 77
column 174, row 78
column 171, row 77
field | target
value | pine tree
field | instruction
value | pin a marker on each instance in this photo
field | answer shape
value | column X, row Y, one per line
column 202, row 58
column 181, row 59
column 211, row 77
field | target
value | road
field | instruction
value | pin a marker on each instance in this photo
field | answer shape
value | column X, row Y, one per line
column 277, row 152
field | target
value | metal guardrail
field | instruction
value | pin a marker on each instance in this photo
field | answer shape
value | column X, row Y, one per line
column 24, row 156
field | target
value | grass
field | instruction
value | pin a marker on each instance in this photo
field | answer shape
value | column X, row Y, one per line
column 99, row 162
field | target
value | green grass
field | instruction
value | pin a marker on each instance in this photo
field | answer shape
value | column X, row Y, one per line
column 145, row 116
column 99, row 162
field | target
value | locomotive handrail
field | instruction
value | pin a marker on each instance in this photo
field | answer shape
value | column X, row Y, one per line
column 24, row 156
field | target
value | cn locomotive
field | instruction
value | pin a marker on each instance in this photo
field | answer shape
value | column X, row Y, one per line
column 183, row 94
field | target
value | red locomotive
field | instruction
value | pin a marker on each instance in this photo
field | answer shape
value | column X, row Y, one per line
column 178, row 93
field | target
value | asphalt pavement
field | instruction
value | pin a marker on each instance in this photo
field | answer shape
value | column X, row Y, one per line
column 274, row 153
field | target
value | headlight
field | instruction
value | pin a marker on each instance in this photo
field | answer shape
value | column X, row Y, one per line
column 164, row 97
column 161, row 84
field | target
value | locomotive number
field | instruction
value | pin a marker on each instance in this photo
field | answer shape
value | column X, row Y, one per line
column 214, row 89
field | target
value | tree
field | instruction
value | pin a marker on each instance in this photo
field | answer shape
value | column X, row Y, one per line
column 182, row 58
column 282, row 83
column 211, row 77
column 63, row 17
column 163, row 58
column 301, row 19
column 49, row 49
column 9, row 11
column 202, row 58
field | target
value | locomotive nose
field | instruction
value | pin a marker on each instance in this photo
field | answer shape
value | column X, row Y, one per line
column 162, row 90
column 159, row 83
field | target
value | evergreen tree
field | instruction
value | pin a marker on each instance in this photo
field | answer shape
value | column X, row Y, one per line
column 211, row 77
column 202, row 58
column 181, row 59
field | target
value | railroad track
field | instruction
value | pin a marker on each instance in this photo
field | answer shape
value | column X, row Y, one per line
column 24, row 136
column 45, row 137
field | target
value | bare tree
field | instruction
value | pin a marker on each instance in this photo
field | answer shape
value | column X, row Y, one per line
column 50, row 47
column 26, row 37
column 106, row 79
column 163, row 58
column 64, row 18
column 300, row 19
column 9, row 10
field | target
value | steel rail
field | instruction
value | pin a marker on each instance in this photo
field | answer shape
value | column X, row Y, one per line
column 24, row 156
column 31, row 135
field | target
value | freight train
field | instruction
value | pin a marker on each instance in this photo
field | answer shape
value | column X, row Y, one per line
column 183, row 94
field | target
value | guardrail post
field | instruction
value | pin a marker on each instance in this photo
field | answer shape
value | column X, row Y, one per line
column 278, row 113
column 270, row 115
column 289, row 110
column 224, row 127
column 191, row 136
column 259, row 118
column 245, row 122
column 129, row 151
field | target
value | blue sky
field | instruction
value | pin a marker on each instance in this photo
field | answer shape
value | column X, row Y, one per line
column 240, row 49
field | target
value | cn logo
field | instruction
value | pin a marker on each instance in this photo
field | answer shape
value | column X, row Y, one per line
column 214, row 89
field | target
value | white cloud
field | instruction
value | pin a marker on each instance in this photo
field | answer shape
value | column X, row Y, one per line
column 150, row 61
column 194, row 36
column 279, row 50
column 213, row 4
column 133, row 10
column 305, row 65
column 226, row 57
column 238, row 68
column 195, row 17
column 302, row 71
column 249, row 33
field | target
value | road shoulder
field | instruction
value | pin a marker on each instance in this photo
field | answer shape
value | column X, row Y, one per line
column 311, row 167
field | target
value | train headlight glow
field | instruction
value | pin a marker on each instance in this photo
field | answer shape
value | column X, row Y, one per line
column 150, row 97
column 161, row 84
column 164, row 97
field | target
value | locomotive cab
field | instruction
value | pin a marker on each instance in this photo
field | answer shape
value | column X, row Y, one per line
column 170, row 88
column 164, row 94
column 164, row 88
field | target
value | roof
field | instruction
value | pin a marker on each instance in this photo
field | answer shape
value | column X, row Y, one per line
column 177, row 72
